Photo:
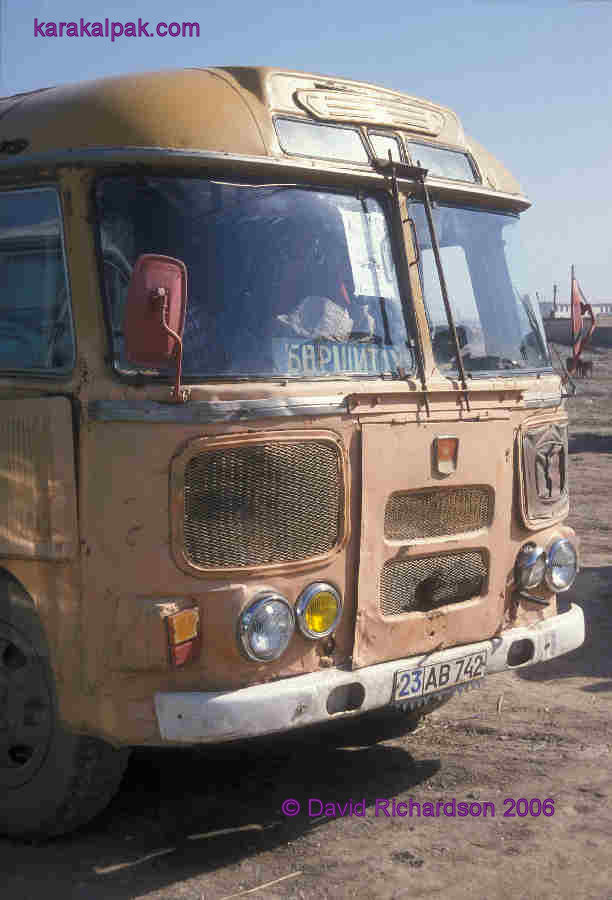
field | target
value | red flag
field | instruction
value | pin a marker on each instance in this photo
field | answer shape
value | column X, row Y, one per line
column 579, row 306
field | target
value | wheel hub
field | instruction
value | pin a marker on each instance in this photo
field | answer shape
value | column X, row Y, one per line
column 26, row 720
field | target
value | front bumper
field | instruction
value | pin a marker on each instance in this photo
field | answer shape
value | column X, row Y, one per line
column 214, row 717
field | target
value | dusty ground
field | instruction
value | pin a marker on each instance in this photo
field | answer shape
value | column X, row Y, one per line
column 541, row 734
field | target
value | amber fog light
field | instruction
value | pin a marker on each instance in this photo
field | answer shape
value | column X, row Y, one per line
column 318, row 610
column 561, row 565
column 530, row 566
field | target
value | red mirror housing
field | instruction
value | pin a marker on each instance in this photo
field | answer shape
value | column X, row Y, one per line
column 154, row 318
column 154, row 322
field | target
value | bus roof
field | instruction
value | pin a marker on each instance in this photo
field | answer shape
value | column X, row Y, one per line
column 224, row 110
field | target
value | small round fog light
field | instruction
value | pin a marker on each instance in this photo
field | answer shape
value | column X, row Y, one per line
column 318, row 610
column 561, row 565
column 530, row 566
column 265, row 627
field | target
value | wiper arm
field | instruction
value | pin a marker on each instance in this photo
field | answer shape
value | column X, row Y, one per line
column 533, row 322
column 416, row 173
column 385, row 320
column 419, row 174
column 407, row 307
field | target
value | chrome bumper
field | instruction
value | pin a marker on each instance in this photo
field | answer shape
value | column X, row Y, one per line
column 214, row 717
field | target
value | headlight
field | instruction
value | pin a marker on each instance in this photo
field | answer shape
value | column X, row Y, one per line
column 318, row 610
column 530, row 566
column 561, row 565
column 265, row 627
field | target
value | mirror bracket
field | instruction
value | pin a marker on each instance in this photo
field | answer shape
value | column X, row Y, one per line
column 159, row 300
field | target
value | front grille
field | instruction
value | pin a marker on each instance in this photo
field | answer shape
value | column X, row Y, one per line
column 425, row 583
column 436, row 512
column 263, row 503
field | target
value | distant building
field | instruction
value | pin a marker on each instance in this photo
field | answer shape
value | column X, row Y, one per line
column 603, row 308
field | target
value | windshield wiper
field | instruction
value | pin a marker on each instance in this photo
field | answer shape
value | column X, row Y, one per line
column 418, row 174
column 407, row 307
column 534, row 324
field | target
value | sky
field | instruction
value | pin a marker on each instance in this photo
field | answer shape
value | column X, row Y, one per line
column 531, row 81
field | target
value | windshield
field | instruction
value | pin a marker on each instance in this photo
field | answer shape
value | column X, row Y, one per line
column 281, row 280
column 498, row 319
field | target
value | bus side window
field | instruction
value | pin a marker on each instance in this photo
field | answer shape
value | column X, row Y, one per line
column 35, row 316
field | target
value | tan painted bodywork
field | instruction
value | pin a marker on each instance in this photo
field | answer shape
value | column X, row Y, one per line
column 104, row 582
column 38, row 490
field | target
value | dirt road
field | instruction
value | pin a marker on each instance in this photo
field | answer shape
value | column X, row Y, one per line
column 541, row 734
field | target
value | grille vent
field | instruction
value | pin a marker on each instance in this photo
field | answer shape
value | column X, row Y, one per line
column 418, row 515
column 263, row 503
column 431, row 581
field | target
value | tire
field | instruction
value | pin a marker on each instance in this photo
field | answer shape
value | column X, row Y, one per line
column 51, row 781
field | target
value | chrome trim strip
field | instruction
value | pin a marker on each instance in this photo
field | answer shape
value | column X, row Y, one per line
column 115, row 156
column 204, row 412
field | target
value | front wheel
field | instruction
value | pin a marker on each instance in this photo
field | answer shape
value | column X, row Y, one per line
column 51, row 781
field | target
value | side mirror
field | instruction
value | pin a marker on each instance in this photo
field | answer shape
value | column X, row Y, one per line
column 154, row 318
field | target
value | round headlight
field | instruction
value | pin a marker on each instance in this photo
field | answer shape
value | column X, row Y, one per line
column 530, row 566
column 265, row 627
column 318, row 610
column 561, row 565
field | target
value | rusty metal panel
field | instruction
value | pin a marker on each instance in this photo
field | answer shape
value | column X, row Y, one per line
column 37, row 481
column 127, row 557
column 438, row 579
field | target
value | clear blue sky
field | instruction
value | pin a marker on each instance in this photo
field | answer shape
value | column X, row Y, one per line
column 532, row 82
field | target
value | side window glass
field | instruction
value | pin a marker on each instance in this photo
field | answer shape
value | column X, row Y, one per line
column 36, row 330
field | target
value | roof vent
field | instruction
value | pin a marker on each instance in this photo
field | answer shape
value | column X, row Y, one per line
column 371, row 108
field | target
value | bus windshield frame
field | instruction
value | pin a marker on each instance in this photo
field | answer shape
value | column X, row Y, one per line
column 285, row 281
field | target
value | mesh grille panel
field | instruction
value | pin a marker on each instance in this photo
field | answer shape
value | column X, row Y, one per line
column 425, row 583
column 414, row 515
column 263, row 503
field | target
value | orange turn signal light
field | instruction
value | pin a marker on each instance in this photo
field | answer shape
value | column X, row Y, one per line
column 446, row 453
column 183, row 630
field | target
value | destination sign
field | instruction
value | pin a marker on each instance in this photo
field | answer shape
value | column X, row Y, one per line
column 320, row 357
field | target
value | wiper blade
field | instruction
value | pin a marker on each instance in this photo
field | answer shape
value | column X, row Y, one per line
column 533, row 322
column 407, row 307
column 418, row 174
column 449, row 312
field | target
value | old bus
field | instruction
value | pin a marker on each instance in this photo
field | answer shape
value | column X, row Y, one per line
column 280, row 438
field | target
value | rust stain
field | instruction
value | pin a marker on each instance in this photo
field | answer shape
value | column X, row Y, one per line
column 131, row 535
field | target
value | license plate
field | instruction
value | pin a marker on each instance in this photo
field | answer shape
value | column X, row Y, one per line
column 425, row 680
